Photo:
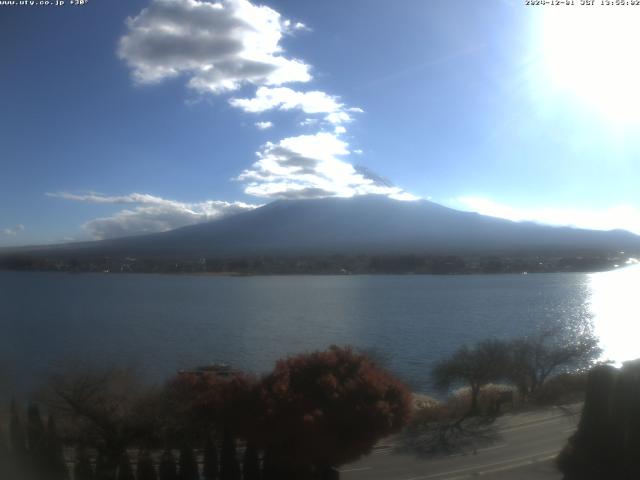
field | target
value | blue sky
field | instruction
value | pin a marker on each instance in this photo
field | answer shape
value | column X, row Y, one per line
column 119, row 118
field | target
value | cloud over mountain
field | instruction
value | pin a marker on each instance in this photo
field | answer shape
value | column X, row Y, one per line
column 218, row 46
column 310, row 166
column 150, row 213
column 622, row 216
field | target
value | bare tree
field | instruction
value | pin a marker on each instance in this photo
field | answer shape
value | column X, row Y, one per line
column 103, row 407
column 533, row 359
column 473, row 366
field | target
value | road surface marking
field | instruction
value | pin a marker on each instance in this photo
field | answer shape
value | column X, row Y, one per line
column 505, row 464
column 357, row 469
column 502, row 445
column 517, row 465
column 382, row 451
column 478, row 450
column 530, row 424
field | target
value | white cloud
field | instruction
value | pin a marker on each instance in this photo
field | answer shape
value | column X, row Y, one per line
column 310, row 166
column 218, row 46
column 93, row 197
column 12, row 231
column 151, row 213
column 290, row 26
column 284, row 98
column 624, row 217
column 338, row 117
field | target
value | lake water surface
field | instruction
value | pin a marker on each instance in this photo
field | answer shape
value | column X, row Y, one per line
column 163, row 323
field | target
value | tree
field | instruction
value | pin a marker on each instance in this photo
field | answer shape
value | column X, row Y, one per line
column 125, row 472
column 229, row 468
column 107, row 408
column 36, row 437
column 198, row 403
column 168, row 466
column 82, row 469
column 251, row 463
column 474, row 367
column 104, row 470
column 145, row 469
column 533, row 359
column 188, row 464
column 16, row 433
column 269, row 467
column 56, row 465
column 210, row 467
column 607, row 440
column 327, row 408
column 4, row 449
column 5, row 458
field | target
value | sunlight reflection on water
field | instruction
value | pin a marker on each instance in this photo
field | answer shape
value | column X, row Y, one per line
column 614, row 306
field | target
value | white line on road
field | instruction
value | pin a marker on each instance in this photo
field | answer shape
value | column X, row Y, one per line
column 358, row 469
column 531, row 424
column 517, row 465
column 486, row 449
column 478, row 450
column 504, row 465
column 382, row 451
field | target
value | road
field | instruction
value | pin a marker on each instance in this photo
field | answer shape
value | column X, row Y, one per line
column 524, row 448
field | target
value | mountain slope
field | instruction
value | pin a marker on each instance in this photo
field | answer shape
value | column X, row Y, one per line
column 368, row 224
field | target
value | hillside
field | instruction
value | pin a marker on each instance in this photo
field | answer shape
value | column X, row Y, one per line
column 361, row 225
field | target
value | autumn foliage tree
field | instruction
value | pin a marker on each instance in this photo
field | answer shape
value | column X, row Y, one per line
column 328, row 408
column 312, row 412
column 198, row 404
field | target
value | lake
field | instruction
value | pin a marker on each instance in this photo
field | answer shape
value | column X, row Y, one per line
column 163, row 323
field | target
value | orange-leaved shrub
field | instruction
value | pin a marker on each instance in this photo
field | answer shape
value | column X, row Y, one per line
column 328, row 408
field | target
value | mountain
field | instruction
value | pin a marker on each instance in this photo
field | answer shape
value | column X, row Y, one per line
column 359, row 225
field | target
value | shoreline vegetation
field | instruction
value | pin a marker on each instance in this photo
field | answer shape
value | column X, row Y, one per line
column 314, row 412
column 400, row 264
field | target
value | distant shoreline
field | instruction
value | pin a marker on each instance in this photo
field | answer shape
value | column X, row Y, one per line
column 293, row 274
column 330, row 264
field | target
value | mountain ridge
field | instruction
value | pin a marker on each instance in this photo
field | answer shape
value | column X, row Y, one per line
column 358, row 225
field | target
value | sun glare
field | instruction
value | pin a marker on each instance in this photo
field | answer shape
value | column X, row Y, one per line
column 591, row 52
column 613, row 305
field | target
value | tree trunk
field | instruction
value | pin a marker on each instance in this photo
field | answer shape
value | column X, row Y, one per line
column 475, row 391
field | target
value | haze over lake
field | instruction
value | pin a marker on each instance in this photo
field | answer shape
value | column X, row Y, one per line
column 164, row 323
